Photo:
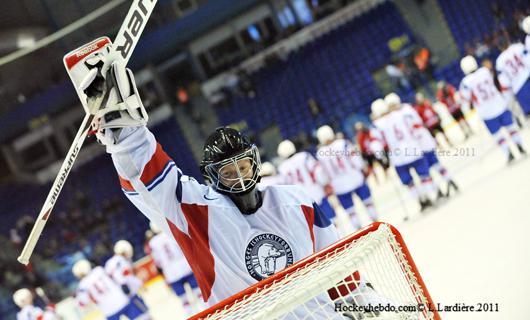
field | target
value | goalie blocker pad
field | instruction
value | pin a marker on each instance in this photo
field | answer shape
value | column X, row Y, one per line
column 77, row 69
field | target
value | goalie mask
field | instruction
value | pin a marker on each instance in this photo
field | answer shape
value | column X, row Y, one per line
column 231, row 163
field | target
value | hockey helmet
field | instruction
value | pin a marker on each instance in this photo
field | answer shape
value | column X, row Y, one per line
column 525, row 25
column 286, row 149
column 420, row 97
column 392, row 100
column 230, row 162
column 379, row 108
column 325, row 134
column 124, row 248
column 267, row 169
column 81, row 268
column 468, row 64
column 22, row 297
column 154, row 227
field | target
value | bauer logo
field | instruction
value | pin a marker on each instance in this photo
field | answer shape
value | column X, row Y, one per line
column 134, row 24
column 267, row 254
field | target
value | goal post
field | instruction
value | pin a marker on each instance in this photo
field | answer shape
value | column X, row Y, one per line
column 369, row 274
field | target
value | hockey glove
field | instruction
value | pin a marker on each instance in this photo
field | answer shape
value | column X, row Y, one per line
column 122, row 108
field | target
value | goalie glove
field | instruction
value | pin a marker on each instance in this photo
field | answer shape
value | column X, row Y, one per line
column 121, row 106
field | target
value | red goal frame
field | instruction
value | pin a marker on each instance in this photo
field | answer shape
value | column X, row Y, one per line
column 228, row 302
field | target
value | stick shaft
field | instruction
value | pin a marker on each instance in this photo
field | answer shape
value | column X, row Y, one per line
column 124, row 44
column 58, row 184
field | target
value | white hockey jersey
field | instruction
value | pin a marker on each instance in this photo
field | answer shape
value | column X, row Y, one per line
column 35, row 313
column 419, row 131
column 121, row 271
column 227, row 250
column 168, row 257
column 98, row 288
column 513, row 67
column 479, row 89
column 377, row 143
column 403, row 142
column 304, row 170
column 343, row 164
column 271, row 180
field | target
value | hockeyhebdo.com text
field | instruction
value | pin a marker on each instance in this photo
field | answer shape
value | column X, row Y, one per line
column 404, row 152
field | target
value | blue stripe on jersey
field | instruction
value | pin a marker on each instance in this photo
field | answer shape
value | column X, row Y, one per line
column 156, row 181
column 321, row 220
column 129, row 193
column 178, row 190
column 161, row 176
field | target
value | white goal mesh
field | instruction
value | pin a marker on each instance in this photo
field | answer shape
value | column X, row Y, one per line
column 368, row 275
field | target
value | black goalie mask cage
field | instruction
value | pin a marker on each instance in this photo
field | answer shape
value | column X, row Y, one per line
column 231, row 163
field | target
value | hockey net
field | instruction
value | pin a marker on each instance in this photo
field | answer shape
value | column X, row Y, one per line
column 367, row 275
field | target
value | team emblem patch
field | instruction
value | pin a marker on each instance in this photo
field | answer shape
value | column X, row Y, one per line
column 267, row 254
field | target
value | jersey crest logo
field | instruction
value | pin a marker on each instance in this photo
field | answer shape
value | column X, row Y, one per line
column 267, row 254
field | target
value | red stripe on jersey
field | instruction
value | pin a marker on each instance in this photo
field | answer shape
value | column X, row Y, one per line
column 125, row 184
column 126, row 272
column 309, row 214
column 153, row 168
column 473, row 98
column 196, row 246
column 92, row 298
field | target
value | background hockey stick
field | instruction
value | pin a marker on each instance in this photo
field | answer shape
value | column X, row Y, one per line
column 124, row 44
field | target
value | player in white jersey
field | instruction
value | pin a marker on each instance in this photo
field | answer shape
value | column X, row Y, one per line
column 345, row 168
column 405, row 152
column 120, row 268
column 301, row 168
column 513, row 70
column 478, row 88
column 96, row 287
column 176, row 271
column 23, row 298
column 269, row 175
column 232, row 233
column 428, row 147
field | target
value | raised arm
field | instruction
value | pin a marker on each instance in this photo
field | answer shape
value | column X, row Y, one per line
column 148, row 176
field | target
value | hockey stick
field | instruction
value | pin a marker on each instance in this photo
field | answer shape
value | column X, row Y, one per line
column 124, row 44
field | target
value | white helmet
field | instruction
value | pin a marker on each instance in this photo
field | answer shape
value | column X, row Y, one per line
column 392, row 100
column 286, row 149
column 468, row 64
column 23, row 297
column 124, row 248
column 525, row 25
column 154, row 227
column 379, row 107
column 81, row 268
column 267, row 169
column 325, row 134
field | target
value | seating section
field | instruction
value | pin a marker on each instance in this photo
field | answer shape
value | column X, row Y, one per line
column 105, row 218
column 472, row 20
column 335, row 70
